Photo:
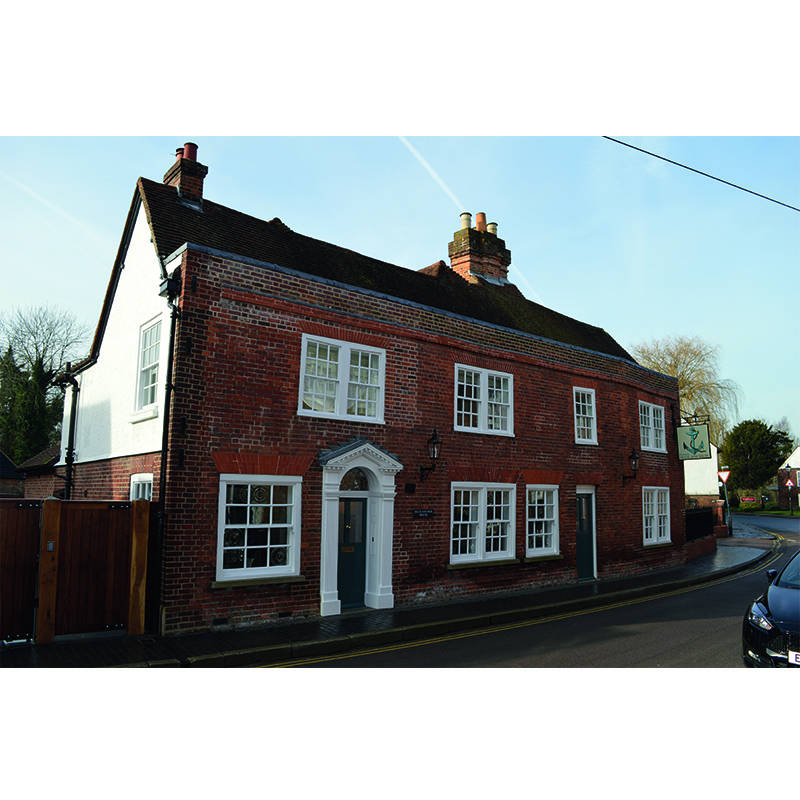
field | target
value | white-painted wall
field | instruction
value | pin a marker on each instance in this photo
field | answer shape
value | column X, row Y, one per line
column 108, row 424
column 700, row 475
column 793, row 461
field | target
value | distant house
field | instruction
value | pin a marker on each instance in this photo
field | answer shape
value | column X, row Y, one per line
column 41, row 480
column 12, row 481
column 328, row 431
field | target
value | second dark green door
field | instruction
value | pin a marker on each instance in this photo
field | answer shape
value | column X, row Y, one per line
column 585, row 537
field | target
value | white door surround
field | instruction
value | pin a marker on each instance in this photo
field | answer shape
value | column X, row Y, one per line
column 380, row 468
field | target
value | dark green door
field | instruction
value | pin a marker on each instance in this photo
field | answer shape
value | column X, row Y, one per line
column 585, row 537
column 352, row 552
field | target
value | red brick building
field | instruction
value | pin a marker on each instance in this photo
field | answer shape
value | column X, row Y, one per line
column 306, row 384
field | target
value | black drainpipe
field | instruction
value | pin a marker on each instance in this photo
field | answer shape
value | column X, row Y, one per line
column 170, row 289
column 73, row 411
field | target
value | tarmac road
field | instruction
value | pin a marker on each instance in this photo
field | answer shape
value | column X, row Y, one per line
column 694, row 626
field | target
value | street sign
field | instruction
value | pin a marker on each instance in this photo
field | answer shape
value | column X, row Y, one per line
column 693, row 442
column 723, row 476
column 789, row 484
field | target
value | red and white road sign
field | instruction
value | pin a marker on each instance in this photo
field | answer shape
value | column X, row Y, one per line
column 789, row 484
column 723, row 476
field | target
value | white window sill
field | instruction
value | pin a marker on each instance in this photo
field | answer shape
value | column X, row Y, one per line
column 263, row 580
column 489, row 562
column 144, row 414
column 509, row 434
column 543, row 557
column 340, row 418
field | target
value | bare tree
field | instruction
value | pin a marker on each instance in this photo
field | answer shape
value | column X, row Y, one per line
column 784, row 425
column 43, row 335
column 35, row 346
column 694, row 362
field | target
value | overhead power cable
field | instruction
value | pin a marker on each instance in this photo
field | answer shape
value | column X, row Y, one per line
column 704, row 174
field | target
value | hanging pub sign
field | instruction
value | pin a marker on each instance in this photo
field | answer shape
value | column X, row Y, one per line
column 693, row 442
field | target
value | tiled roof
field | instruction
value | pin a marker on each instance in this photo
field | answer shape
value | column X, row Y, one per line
column 47, row 458
column 217, row 227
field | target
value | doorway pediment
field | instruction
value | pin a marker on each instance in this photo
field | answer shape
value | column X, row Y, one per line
column 359, row 453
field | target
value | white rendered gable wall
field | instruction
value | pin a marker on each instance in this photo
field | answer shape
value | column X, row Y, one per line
column 107, row 423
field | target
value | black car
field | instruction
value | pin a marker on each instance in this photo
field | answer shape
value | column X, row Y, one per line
column 771, row 626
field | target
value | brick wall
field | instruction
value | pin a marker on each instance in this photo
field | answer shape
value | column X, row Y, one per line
column 42, row 485
column 700, row 547
column 110, row 479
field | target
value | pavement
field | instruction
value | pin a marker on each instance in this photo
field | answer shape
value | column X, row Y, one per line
column 284, row 642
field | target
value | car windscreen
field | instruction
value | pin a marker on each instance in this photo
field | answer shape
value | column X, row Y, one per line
column 790, row 577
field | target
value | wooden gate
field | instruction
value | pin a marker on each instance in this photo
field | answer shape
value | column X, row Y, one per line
column 92, row 567
column 19, row 564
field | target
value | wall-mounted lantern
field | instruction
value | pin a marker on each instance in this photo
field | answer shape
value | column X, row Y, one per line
column 434, row 450
column 633, row 458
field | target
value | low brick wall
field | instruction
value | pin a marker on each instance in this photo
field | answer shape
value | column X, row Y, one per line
column 721, row 531
column 701, row 547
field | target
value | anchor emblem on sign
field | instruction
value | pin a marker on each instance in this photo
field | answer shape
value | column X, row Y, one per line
column 694, row 433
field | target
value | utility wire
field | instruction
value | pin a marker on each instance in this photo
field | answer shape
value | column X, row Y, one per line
column 705, row 174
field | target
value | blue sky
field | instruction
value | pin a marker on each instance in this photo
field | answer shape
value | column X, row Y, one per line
column 596, row 230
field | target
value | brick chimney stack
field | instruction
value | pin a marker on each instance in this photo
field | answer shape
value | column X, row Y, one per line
column 187, row 175
column 478, row 252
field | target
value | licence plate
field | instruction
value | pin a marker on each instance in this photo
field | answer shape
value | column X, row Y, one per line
column 794, row 658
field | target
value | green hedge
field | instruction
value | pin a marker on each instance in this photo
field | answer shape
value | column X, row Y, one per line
column 749, row 506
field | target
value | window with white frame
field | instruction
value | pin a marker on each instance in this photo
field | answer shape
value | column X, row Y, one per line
column 482, row 522
column 655, row 514
column 342, row 380
column 484, row 401
column 651, row 427
column 542, row 516
column 149, row 350
column 142, row 486
column 258, row 526
column 585, row 416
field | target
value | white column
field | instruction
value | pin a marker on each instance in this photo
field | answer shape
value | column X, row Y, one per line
column 330, row 605
column 379, row 574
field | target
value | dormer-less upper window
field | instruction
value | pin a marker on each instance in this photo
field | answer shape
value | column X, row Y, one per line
column 342, row 380
column 484, row 401
column 148, row 365
column 585, row 416
column 651, row 427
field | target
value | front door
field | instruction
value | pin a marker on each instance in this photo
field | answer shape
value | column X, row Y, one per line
column 352, row 552
column 585, row 536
